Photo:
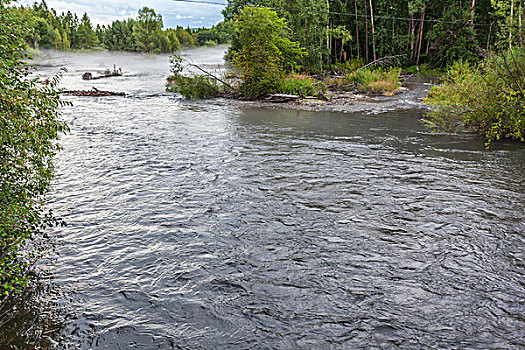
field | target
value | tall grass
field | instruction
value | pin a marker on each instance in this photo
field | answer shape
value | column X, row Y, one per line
column 385, row 81
column 297, row 84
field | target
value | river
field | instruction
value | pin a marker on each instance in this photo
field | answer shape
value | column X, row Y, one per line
column 206, row 225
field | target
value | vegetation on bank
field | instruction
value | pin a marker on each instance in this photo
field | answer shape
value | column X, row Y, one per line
column 264, row 60
column 306, row 47
column 488, row 98
column 49, row 30
column 29, row 128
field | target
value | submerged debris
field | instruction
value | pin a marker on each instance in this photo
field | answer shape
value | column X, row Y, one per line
column 93, row 93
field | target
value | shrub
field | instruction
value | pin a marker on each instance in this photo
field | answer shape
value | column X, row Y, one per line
column 351, row 65
column 29, row 128
column 488, row 99
column 196, row 86
column 193, row 86
column 423, row 70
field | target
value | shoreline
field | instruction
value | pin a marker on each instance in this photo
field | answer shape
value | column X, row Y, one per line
column 340, row 102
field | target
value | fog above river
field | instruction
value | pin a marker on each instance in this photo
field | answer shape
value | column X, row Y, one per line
column 143, row 74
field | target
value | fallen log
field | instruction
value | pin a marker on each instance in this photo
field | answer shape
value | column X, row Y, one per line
column 281, row 98
column 93, row 93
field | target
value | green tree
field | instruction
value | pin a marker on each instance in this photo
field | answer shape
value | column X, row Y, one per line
column 119, row 36
column 261, row 52
column 29, row 127
column 488, row 98
column 184, row 36
column 86, row 36
column 146, row 30
column 174, row 41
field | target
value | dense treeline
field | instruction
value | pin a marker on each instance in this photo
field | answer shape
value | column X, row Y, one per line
column 142, row 34
column 437, row 32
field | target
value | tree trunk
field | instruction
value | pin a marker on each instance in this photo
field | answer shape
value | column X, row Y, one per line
column 411, row 35
column 373, row 31
column 511, row 22
column 519, row 22
column 366, row 33
column 330, row 41
column 421, row 28
column 472, row 11
column 357, row 29
column 342, row 44
column 305, row 31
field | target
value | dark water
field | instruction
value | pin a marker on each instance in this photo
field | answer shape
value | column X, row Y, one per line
column 204, row 226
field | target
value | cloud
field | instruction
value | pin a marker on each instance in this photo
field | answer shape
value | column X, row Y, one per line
column 173, row 13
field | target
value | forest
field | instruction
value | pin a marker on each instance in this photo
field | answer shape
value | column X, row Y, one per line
column 431, row 32
column 435, row 32
column 145, row 33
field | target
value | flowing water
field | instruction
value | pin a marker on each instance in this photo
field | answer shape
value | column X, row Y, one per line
column 201, row 225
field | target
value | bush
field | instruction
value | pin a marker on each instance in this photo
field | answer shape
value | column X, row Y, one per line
column 423, row 70
column 488, row 99
column 29, row 128
column 196, row 86
column 193, row 86
column 350, row 65
column 385, row 81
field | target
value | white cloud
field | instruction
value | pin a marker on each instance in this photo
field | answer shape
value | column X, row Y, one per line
column 173, row 13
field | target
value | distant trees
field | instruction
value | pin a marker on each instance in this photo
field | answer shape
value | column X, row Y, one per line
column 142, row 34
column 148, row 31
column 119, row 36
column 85, row 34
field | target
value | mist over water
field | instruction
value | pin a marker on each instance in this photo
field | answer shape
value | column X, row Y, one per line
column 203, row 225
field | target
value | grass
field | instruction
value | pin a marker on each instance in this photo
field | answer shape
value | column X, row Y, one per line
column 296, row 84
column 384, row 81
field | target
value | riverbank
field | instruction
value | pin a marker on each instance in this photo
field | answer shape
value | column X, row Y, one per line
column 410, row 97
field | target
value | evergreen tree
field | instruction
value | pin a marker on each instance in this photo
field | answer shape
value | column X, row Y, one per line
column 146, row 30
column 86, row 36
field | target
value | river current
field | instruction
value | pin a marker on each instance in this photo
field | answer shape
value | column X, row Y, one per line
column 205, row 225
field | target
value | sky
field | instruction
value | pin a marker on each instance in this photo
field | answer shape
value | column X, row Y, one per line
column 173, row 13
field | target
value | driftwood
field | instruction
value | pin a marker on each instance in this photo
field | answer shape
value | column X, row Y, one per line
column 93, row 93
column 210, row 75
column 284, row 98
column 381, row 61
column 107, row 74
column 281, row 98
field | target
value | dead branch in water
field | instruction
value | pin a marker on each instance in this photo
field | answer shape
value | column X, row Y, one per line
column 93, row 93
column 209, row 74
